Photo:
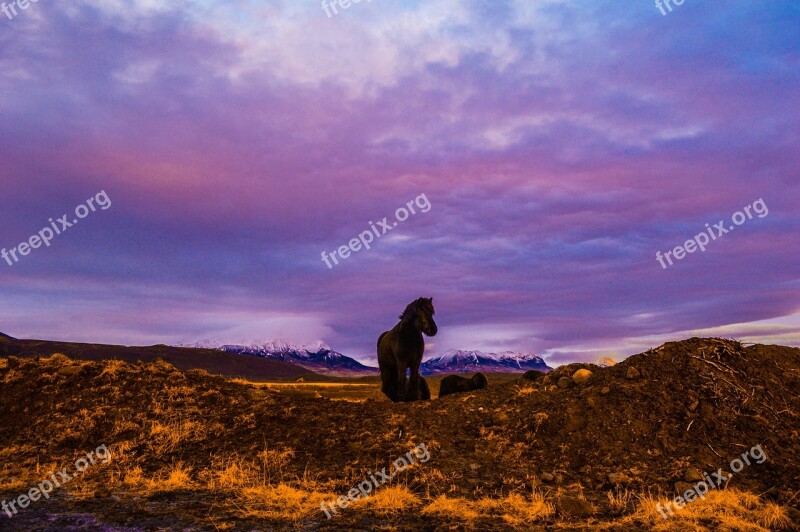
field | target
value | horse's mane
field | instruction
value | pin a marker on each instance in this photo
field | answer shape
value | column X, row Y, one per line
column 412, row 307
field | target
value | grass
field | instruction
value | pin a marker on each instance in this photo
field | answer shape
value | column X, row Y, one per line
column 719, row 510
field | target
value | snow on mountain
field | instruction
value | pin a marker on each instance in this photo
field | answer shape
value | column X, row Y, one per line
column 461, row 361
column 318, row 357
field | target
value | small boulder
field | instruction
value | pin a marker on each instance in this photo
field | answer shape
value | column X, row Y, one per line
column 693, row 475
column 793, row 514
column 581, row 376
column 69, row 370
column 564, row 382
column 547, row 477
column 632, row 373
column 533, row 374
column 574, row 507
column 606, row 390
column 618, row 478
column 500, row 418
column 683, row 487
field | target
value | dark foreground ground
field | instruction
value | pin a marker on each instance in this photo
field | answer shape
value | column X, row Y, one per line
column 191, row 451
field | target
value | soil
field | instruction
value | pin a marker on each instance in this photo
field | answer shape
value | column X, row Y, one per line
column 643, row 425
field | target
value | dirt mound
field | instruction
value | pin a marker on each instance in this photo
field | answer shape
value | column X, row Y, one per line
column 648, row 424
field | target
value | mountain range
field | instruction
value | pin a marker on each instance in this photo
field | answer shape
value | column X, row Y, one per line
column 318, row 357
column 460, row 361
column 321, row 358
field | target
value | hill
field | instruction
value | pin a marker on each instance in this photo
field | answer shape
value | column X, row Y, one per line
column 211, row 360
column 571, row 449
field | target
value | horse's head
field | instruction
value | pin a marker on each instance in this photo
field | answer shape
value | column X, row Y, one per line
column 421, row 312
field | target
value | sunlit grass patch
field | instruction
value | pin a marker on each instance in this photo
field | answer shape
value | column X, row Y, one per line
column 719, row 510
column 176, row 478
column 450, row 508
column 281, row 502
column 388, row 500
column 515, row 509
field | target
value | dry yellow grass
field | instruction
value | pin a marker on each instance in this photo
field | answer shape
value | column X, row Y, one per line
column 282, row 502
column 388, row 500
column 620, row 499
column 515, row 509
column 178, row 477
column 719, row 510
column 169, row 436
column 451, row 508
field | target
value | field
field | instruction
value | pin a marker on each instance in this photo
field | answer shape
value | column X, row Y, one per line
column 356, row 390
column 606, row 450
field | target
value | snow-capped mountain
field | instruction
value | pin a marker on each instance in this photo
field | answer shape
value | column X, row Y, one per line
column 318, row 357
column 459, row 361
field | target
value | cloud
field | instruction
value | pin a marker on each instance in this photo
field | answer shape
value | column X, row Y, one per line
column 561, row 145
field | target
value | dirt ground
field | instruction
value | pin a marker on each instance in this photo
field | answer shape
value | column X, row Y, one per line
column 598, row 450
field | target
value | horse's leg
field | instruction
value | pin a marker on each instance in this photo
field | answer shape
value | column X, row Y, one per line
column 415, row 378
column 401, row 381
column 388, row 382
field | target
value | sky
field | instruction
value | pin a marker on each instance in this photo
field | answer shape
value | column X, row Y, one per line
column 556, row 146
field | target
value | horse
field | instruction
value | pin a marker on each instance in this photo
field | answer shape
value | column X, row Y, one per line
column 457, row 384
column 401, row 348
column 423, row 391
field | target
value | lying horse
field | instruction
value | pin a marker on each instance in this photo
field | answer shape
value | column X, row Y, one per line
column 423, row 391
column 457, row 384
column 400, row 349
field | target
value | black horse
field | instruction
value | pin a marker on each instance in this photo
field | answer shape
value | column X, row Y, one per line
column 400, row 349
column 457, row 384
column 423, row 391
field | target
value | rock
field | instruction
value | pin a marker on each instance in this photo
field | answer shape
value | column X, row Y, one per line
column 619, row 478
column 693, row 475
column 574, row 507
column 474, row 467
column 564, row 382
column 69, row 370
column 500, row 418
column 575, row 421
column 606, row 390
column 547, row 477
column 632, row 374
column 533, row 374
column 581, row 376
column 683, row 487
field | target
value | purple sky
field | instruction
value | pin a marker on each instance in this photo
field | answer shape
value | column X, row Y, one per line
column 560, row 143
